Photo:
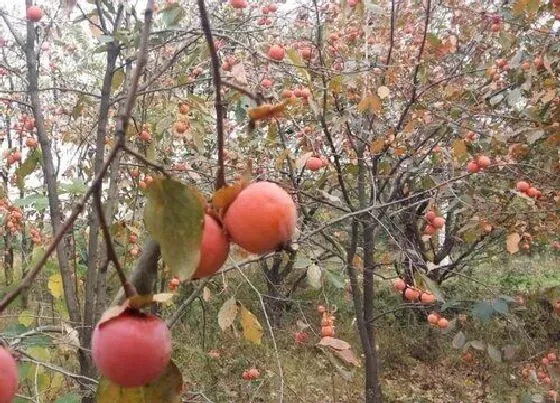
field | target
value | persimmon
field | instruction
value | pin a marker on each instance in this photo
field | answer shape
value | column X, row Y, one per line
column 430, row 229
column 532, row 191
column 473, row 167
column 267, row 83
column 286, row 93
column 483, row 161
column 214, row 248
column 184, row 109
column 438, row 222
column 399, row 284
column 254, row 373
column 306, row 53
column 551, row 357
column 272, row 8
column 314, row 163
column 31, row 142
column 545, row 361
column 327, row 331
column 411, row 294
column 443, row 323
column 468, row 357
column 226, row 66
column 262, row 218
column 8, row 376
column 522, row 186
column 238, row 3
column 34, row 13
column 326, row 321
column 430, row 215
column 427, row 298
column 433, row 318
column 541, row 375
column 301, row 337
column 547, row 380
column 180, row 127
column 276, row 52
column 131, row 349
column 552, row 394
column 175, row 282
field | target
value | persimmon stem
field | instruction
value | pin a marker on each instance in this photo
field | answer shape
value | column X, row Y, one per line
column 216, row 79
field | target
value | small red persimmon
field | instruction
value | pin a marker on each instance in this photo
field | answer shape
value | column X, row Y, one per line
column 433, row 318
column 522, row 186
column 214, row 248
column 238, row 3
column 276, row 52
column 8, row 376
column 430, row 229
column 399, row 284
column 327, row 331
column 262, row 218
column 34, row 13
column 473, row 167
column 131, row 349
column 430, row 215
column 314, row 163
column 483, row 161
column 427, row 298
column 532, row 191
column 301, row 337
column 411, row 294
column 438, row 222
column 443, row 323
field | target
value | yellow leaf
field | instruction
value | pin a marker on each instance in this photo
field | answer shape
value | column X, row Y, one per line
column 335, row 85
column 39, row 353
column 25, row 318
column 519, row 7
column 377, row 146
column 459, row 149
column 512, row 242
column 252, row 329
column 55, row 285
column 371, row 103
column 364, row 104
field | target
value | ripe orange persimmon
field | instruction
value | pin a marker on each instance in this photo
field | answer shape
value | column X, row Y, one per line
column 532, row 191
column 287, row 94
column 473, row 167
column 276, row 52
column 438, row 222
column 327, row 331
column 399, row 284
column 430, row 229
column 8, row 376
column 184, row 109
column 214, row 248
column 433, row 318
column 314, row 163
column 180, row 127
column 238, row 3
column 430, row 215
column 131, row 349
column 34, row 13
column 427, row 298
column 443, row 323
column 411, row 294
column 483, row 161
column 262, row 218
column 522, row 186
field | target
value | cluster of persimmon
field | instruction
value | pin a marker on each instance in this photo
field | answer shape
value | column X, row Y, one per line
column 528, row 189
column 14, row 220
column 12, row 156
column 542, row 370
column 145, row 134
column 229, row 62
column 413, row 294
column 8, row 376
column 479, row 163
column 276, row 52
column 433, row 222
column 501, row 66
column 251, row 374
column 303, row 93
column 145, row 182
column 36, row 237
column 31, row 142
column 437, row 320
column 327, row 322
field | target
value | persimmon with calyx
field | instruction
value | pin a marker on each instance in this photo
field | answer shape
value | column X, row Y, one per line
column 483, row 161
column 532, row 192
column 433, row 318
column 443, row 323
column 438, row 222
column 314, row 163
column 522, row 186
column 327, row 331
column 238, row 3
column 8, row 376
column 427, row 298
column 262, row 218
column 276, row 52
column 411, row 294
column 399, row 284
column 214, row 248
column 131, row 349
column 34, row 13
column 430, row 215
column 473, row 167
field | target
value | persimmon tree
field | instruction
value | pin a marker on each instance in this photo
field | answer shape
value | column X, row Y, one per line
column 401, row 131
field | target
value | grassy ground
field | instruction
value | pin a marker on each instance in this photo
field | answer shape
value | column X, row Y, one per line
column 418, row 363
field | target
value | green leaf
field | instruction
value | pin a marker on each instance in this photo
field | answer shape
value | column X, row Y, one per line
column 172, row 14
column 36, row 202
column 166, row 389
column 334, row 278
column 483, row 311
column 500, row 306
column 28, row 166
column 174, row 215
column 118, row 79
column 76, row 187
column 68, row 398
column 494, row 353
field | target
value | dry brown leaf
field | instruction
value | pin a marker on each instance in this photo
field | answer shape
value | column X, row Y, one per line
column 512, row 242
column 336, row 344
column 266, row 111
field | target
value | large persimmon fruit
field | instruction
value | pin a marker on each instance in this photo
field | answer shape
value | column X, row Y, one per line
column 214, row 248
column 8, row 376
column 262, row 218
column 314, row 163
column 132, row 349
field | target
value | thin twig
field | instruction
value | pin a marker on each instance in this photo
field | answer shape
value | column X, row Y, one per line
column 185, row 304
column 217, row 81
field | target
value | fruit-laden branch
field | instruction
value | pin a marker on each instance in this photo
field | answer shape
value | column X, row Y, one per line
column 122, row 124
column 216, row 79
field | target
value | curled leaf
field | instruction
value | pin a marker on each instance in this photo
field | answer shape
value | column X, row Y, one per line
column 266, row 111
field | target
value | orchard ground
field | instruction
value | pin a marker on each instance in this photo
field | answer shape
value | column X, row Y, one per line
column 419, row 363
